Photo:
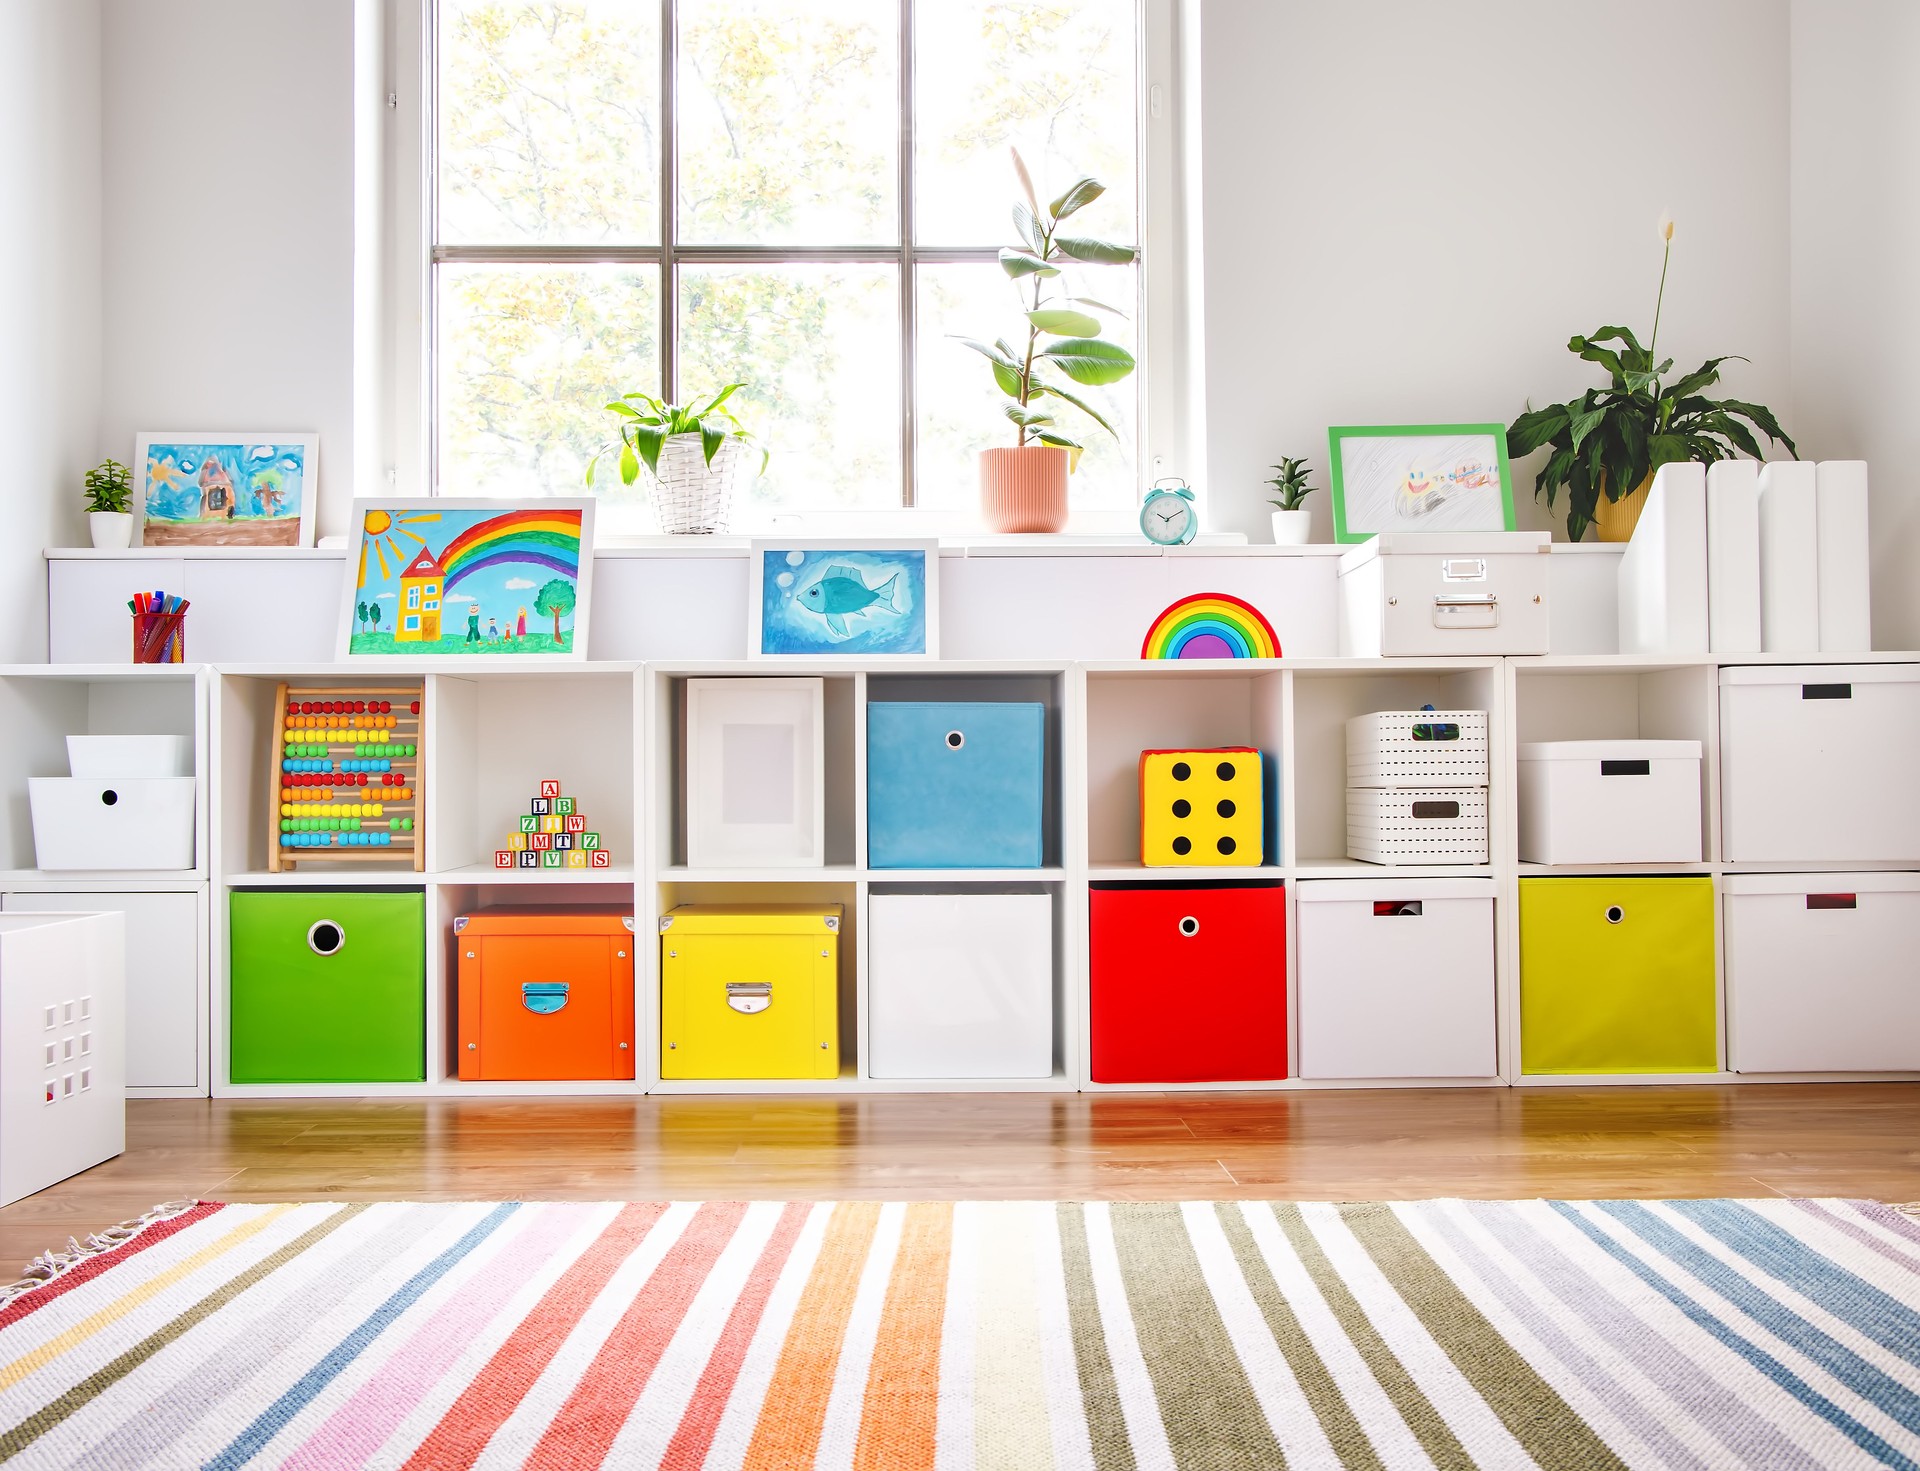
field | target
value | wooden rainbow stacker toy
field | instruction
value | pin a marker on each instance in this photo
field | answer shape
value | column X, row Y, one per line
column 349, row 768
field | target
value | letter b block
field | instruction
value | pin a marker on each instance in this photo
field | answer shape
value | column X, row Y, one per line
column 1201, row 808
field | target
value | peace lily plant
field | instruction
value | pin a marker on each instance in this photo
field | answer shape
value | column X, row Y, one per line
column 1024, row 488
column 699, row 447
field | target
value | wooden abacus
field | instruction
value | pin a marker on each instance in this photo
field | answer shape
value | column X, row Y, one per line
column 349, row 776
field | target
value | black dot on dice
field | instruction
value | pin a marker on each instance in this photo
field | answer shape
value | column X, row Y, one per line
column 1181, row 771
column 1182, row 807
column 1224, row 771
column 1226, row 808
column 1182, row 846
column 1225, row 845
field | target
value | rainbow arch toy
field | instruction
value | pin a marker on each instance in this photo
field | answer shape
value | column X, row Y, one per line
column 1210, row 625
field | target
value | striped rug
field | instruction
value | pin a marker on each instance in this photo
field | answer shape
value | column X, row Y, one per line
column 924, row 1337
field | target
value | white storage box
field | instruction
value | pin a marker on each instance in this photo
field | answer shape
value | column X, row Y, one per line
column 1610, row 802
column 94, row 756
column 1418, row 593
column 960, row 985
column 145, row 822
column 1417, row 748
column 756, row 773
column 1396, row 978
column 1820, row 972
column 1417, row 824
column 1816, row 763
column 62, row 1094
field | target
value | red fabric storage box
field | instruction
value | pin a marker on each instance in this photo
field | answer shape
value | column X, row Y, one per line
column 545, row 994
column 1189, row 983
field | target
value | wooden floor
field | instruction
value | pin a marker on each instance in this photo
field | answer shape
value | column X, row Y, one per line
column 1853, row 1139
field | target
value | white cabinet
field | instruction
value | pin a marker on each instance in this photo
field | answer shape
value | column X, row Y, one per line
column 960, row 985
column 1820, row 972
column 1396, row 978
column 1816, row 764
column 166, row 1016
column 756, row 773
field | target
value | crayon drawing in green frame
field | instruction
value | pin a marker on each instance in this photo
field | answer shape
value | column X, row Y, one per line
column 1419, row 477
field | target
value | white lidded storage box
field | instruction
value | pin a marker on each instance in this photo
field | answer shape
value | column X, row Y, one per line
column 1417, row 748
column 1396, row 978
column 112, row 823
column 960, row 985
column 756, row 773
column 1610, row 802
column 1410, row 593
column 94, row 756
column 1816, row 763
column 62, row 1093
column 1821, row 975
column 1417, row 824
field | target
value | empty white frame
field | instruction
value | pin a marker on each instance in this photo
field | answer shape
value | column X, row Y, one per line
column 756, row 773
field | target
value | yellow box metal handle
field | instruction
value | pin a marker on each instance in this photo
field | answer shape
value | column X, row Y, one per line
column 749, row 997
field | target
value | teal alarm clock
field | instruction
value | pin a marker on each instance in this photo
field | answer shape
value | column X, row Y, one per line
column 1168, row 516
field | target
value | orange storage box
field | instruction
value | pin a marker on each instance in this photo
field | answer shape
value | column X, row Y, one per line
column 545, row 994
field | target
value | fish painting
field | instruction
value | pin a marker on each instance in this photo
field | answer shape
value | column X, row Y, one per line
column 841, row 593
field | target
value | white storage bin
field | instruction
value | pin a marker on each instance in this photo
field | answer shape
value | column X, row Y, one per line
column 144, row 823
column 1417, row 824
column 1821, row 974
column 62, row 1092
column 1396, row 978
column 94, row 756
column 1384, row 751
column 1416, row 593
column 1816, row 763
column 960, row 985
column 1610, row 802
column 756, row 773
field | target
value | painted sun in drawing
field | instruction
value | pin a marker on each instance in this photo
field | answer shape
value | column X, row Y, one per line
column 383, row 538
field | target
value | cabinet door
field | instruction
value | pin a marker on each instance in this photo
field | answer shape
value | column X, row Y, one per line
column 1189, row 984
column 166, row 1023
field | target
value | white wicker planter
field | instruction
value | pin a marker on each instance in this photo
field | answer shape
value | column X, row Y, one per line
column 690, row 496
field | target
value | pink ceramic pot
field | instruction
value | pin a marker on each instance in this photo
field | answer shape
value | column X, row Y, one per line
column 1024, row 489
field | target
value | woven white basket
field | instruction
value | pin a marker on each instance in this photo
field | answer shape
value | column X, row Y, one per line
column 690, row 496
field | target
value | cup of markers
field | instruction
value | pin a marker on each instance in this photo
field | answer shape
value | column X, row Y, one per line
column 159, row 631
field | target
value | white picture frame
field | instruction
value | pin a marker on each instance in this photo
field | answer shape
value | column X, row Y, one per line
column 887, row 610
column 237, row 471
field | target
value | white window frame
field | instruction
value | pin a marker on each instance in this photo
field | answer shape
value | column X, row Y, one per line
column 396, row 354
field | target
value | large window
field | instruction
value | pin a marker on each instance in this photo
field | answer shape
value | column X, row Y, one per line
column 804, row 195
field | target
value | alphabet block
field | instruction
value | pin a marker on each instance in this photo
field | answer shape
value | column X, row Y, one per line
column 1201, row 808
column 549, row 788
column 540, row 806
column 562, row 842
column 529, row 859
column 553, row 824
column 529, row 824
column 541, row 842
column 551, row 859
column 503, row 858
column 563, row 806
column 589, row 841
column 576, row 859
column 576, row 824
column 601, row 859
column 517, row 841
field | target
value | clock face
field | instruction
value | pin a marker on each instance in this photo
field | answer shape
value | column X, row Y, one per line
column 1167, row 519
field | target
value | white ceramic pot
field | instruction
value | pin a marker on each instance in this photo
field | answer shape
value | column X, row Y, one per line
column 112, row 531
column 691, row 496
column 1290, row 528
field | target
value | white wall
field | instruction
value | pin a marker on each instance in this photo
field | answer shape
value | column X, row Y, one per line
column 50, row 260
column 1856, row 273
column 1410, row 207
column 229, row 259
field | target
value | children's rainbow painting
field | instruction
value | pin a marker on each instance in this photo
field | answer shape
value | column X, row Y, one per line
column 468, row 577
column 1211, row 625
column 205, row 488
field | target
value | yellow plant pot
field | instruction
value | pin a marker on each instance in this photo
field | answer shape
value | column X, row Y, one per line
column 1615, row 520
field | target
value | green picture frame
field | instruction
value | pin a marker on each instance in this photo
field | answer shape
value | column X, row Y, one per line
column 1378, row 482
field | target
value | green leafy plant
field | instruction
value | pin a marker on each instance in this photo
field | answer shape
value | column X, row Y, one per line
column 1609, row 440
column 1291, row 483
column 646, row 423
column 109, row 487
column 1062, row 334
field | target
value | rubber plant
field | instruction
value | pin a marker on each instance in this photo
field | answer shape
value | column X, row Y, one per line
column 1610, row 440
column 1062, row 334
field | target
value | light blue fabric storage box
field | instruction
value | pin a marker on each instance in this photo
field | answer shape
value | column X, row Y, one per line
column 955, row 785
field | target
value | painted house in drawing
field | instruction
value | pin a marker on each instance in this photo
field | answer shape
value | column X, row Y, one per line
column 420, row 588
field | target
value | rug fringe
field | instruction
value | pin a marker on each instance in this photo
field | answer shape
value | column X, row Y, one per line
column 50, row 1265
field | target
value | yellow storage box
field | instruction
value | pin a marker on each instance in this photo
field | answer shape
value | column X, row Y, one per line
column 1617, row 976
column 750, row 991
column 1201, row 808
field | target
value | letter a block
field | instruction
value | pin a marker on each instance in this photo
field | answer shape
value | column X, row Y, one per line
column 549, row 788
column 1201, row 808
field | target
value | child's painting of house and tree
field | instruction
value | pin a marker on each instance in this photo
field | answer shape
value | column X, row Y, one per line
column 227, row 490
column 461, row 577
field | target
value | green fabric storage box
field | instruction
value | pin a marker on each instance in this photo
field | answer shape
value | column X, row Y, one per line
column 1617, row 976
column 327, row 986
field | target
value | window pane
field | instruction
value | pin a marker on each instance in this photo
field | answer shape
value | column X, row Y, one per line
column 527, row 356
column 789, row 122
column 819, row 349
column 1055, row 78
column 549, row 122
column 961, row 410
